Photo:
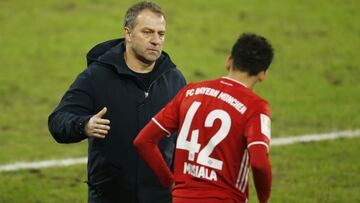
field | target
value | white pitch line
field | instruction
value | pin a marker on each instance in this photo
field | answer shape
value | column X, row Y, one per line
column 315, row 137
column 42, row 164
column 274, row 142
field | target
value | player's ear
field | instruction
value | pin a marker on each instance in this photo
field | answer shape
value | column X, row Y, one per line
column 228, row 63
column 262, row 75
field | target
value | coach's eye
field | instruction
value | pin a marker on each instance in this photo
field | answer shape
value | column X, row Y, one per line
column 146, row 32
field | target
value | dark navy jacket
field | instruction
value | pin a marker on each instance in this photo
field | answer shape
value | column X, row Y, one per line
column 115, row 171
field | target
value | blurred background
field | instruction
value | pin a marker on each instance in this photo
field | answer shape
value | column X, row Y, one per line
column 313, row 84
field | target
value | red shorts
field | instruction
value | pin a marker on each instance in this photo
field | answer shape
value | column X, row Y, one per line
column 202, row 200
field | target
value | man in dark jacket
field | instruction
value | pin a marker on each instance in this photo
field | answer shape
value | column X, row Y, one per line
column 126, row 83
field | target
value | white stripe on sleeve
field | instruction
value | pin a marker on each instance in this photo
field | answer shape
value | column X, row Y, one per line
column 160, row 126
column 243, row 180
column 259, row 142
column 241, row 170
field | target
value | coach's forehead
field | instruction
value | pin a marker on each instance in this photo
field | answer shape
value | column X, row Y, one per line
column 151, row 19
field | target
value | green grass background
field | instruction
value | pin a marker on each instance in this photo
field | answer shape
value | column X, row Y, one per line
column 312, row 85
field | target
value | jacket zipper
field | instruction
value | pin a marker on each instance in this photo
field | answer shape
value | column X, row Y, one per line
column 148, row 90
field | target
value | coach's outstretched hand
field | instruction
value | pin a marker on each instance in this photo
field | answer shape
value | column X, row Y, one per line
column 97, row 126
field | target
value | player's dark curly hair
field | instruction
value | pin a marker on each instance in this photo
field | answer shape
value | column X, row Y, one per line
column 252, row 54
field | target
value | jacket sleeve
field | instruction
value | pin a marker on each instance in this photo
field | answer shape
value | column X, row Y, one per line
column 66, row 123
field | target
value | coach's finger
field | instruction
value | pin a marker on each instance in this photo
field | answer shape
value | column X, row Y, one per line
column 97, row 135
column 101, row 113
column 103, row 121
column 102, row 127
column 102, row 132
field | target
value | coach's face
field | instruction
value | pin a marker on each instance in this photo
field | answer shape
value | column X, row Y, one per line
column 147, row 37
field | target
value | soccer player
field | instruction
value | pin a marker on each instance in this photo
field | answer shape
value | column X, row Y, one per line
column 224, row 129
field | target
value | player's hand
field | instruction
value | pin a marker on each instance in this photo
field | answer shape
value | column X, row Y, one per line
column 97, row 126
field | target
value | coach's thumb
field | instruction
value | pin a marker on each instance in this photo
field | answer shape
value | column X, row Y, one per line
column 101, row 113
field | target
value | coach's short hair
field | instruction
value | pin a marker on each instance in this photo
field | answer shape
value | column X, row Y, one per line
column 251, row 53
column 133, row 12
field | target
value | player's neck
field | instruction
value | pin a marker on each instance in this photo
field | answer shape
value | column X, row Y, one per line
column 249, row 81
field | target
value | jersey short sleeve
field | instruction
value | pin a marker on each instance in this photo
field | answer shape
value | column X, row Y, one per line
column 168, row 118
column 258, row 125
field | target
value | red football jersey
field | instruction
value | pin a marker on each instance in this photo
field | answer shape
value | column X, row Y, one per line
column 217, row 121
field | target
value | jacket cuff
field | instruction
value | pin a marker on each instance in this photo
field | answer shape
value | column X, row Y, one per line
column 81, row 125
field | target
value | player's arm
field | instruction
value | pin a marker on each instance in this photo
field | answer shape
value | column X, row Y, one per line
column 261, row 169
column 164, row 123
column 146, row 144
column 258, row 135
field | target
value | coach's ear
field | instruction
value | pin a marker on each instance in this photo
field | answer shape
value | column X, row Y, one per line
column 228, row 63
column 127, row 34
